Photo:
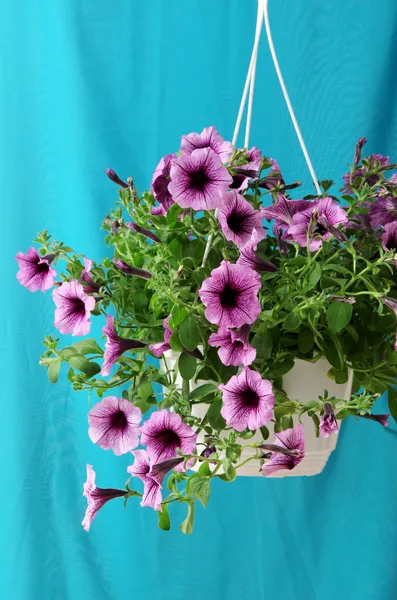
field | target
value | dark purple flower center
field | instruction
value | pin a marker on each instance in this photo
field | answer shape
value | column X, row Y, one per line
column 228, row 297
column 237, row 182
column 235, row 222
column 168, row 437
column 42, row 267
column 78, row 306
column 391, row 244
column 199, row 179
column 250, row 397
column 119, row 420
column 320, row 229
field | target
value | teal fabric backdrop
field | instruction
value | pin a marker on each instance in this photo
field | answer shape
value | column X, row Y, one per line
column 87, row 85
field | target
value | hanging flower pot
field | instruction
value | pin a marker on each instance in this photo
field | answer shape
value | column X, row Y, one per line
column 274, row 317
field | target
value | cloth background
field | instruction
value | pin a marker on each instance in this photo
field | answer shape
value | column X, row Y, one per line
column 88, row 85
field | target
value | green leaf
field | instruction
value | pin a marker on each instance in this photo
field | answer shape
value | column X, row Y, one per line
column 164, row 518
column 88, row 346
column 214, row 416
column 80, row 363
column 265, row 432
column 205, row 469
column 263, row 342
column 53, row 370
column 202, row 391
column 172, row 213
column 200, row 487
column 315, row 275
column 337, row 269
column 189, row 334
column 175, row 343
column 178, row 314
column 187, row 366
column 392, row 401
column 339, row 315
column 230, row 472
column 341, row 376
column 316, row 422
column 145, row 391
column 333, row 352
column 305, row 340
column 292, row 322
column 187, row 525
column 66, row 353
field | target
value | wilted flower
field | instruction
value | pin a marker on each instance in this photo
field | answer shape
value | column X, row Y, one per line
column 234, row 347
column 382, row 419
column 248, row 257
column 35, row 272
column 115, row 178
column 149, row 234
column 248, row 401
column 208, row 138
column 160, row 180
column 273, row 179
column 317, row 223
column 73, row 308
column 383, row 211
column 198, row 180
column 115, row 346
column 360, row 144
column 231, row 295
column 159, row 349
column 86, row 280
column 328, row 423
column 121, row 265
column 164, row 433
column 238, row 219
column 96, row 497
column 288, row 450
column 114, row 425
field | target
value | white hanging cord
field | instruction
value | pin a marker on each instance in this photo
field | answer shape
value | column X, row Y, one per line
column 286, row 97
column 251, row 70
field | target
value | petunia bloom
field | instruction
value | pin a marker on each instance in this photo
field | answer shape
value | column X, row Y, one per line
column 115, row 346
column 392, row 304
column 231, row 295
column 328, row 422
column 146, row 232
column 248, row 401
column 96, row 497
column 382, row 419
column 35, row 271
column 208, row 138
column 389, row 237
column 198, row 180
column 121, row 265
column 238, row 219
column 160, row 180
column 288, row 450
column 159, row 349
column 383, row 211
column 86, row 280
column 73, row 308
column 248, row 257
column 164, row 433
column 151, row 476
column 234, row 347
column 317, row 223
column 283, row 212
column 114, row 425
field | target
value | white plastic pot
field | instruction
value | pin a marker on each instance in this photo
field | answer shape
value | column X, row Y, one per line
column 305, row 382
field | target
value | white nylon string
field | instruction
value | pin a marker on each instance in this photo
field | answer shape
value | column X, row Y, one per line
column 286, row 97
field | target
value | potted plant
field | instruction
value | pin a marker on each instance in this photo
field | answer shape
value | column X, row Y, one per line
column 274, row 319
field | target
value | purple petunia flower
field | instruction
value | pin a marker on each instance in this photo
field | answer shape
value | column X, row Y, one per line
column 248, row 257
column 392, row 181
column 238, row 219
column 248, row 401
column 198, row 180
column 283, row 212
column 287, row 451
column 114, row 425
column 389, row 237
column 115, row 346
column 96, row 497
column 383, row 211
column 392, row 304
column 328, row 423
column 240, row 181
column 208, row 138
column 163, row 433
column 115, row 178
column 159, row 349
column 231, row 295
column 158, row 210
column 361, row 221
column 121, row 265
column 160, row 180
column 382, row 419
column 73, row 308
column 35, row 272
column 317, row 223
column 234, row 347
column 151, row 476
column 89, row 285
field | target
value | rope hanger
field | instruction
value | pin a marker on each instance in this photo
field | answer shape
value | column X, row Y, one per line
column 263, row 17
